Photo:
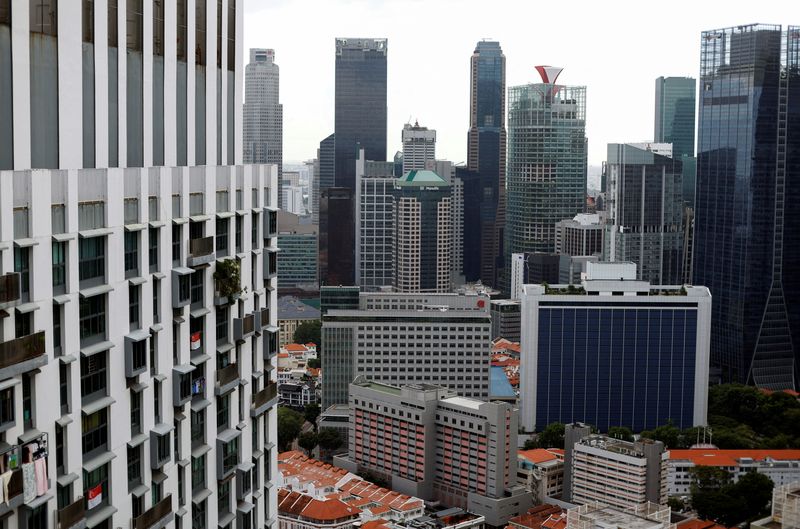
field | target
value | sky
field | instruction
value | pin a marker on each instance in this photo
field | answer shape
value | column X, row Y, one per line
column 615, row 48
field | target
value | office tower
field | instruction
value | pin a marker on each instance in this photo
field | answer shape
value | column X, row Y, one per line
column 263, row 113
column 423, row 248
column 360, row 105
column 336, row 237
column 297, row 260
column 580, row 235
column 323, row 174
column 419, row 146
column 125, row 345
column 546, row 180
column 644, row 221
column 505, row 319
column 486, row 157
column 620, row 474
column 442, row 339
column 375, row 226
column 430, row 443
column 338, row 298
column 747, row 239
column 398, row 164
column 584, row 360
column 293, row 200
column 674, row 115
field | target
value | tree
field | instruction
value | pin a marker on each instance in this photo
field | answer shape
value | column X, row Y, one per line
column 290, row 423
column 620, row 432
column 676, row 504
column 669, row 434
column 309, row 332
column 307, row 441
column 530, row 444
column 329, row 439
column 715, row 497
column 552, row 436
column 311, row 412
column 314, row 363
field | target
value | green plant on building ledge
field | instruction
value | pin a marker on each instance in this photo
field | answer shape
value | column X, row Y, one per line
column 227, row 279
column 569, row 290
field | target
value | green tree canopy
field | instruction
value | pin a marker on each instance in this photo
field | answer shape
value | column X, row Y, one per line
column 552, row 436
column 311, row 412
column 289, row 424
column 309, row 332
column 716, row 497
column 620, row 432
column 307, row 441
column 329, row 439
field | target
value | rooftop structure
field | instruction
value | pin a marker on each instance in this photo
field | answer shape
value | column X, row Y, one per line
column 785, row 509
column 595, row 515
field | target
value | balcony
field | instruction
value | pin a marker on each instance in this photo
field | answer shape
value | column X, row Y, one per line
column 243, row 327
column 9, row 290
column 201, row 251
column 158, row 516
column 73, row 515
column 262, row 319
column 14, row 497
column 270, row 345
column 22, row 355
column 264, row 399
column 227, row 379
column 271, row 223
column 271, row 263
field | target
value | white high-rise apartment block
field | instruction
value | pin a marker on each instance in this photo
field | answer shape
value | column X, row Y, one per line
column 136, row 383
column 419, row 146
column 263, row 112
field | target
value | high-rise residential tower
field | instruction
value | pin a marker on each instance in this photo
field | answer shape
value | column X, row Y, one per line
column 486, row 158
column 136, row 382
column 419, row 146
column 263, row 113
column 747, row 235
column 360, row 104
column 546, row 180
column 644, row 204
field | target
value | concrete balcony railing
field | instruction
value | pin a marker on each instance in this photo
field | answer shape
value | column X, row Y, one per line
column 227, row 379
column 264, row 399
column 201, row 251
column 9, row 289
column 73, row 515
column 158, row 516
column 22, row 354
column 243, row 327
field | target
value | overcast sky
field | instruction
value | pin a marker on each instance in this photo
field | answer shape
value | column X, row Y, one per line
column 615, row 48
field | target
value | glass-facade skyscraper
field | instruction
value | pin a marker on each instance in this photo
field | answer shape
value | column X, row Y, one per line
column 486, row 157
column 674, row 123
column 546, row 179
column 747, row 242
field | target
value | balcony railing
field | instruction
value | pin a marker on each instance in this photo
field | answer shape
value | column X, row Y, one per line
column 72, row 515
column 155, row 514
column 9, row 288
column 243, row 327
column 22, row 349
column 262, row 398
column 201, row 251
column 226, row 377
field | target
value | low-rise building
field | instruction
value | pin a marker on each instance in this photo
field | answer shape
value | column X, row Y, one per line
column 785, row 509
column 505, row 319
column 302, row 511
column 298, row 394
column 596, row 515
column 781, row 466
column 540, row 517
column 541, row 471
column 291, row 314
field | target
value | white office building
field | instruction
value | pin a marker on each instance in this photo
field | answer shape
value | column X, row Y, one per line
column 136, row 372
column 419, row 146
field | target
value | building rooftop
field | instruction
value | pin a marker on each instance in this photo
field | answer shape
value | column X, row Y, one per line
column 291, row 308
column 694, row 523
column 327, row 510
column 603, row 516
column 541, row 455
column 714, row 457
column 470, row 404
column 548, row 516
column 499, row 385
column 422, row 177
column 587, row 219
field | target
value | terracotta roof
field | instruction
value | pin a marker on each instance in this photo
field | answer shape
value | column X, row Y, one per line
column 283, row 355
column 295, row 347
column 549, row 516
column 714, row 457
column 699, row 524
column 377, row 523
column 539, row 455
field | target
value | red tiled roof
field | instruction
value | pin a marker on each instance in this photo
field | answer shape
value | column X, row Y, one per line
column 377, row 523
column 298, row 504
column 549, row 516
column 295, row 347
column 699, row 524
column 539, row 455
column 729, row 458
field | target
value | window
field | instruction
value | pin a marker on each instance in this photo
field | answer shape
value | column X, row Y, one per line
column 238, row 234
column 93, row 376
column 136, row 412
column 134, row 466
column 199, row 515
column 182, row 38
column 27, row 401
column 138, row 357
column 59, row 450
column 198, row 472
column 96, row 483
column 64, row 494
column 153, row 353
column 181, row 494
column 59, row 265
column 131, row 253
column 113, row 34
column 92, row 258
column 157, row 401
column 176, row 242
column 156, row 301
column 22, row 324
column 254, row 232
column 223, row 412
column 95, row 433
column 137, row 505
column 196, row 282
column 44, row 17
column 93, row 318
column 222, row 324
column 230, row 455
column 133, row 306
column 158, row 27
column 198, row 426
column 63, row 375
column 224, row 497
column 222, row 237
column 200, row 34
column 7, row 408
column 135, row 26
column 57, row 329
column 156, row 492
column 22, row 265
column 152, row 249
column 162, row 449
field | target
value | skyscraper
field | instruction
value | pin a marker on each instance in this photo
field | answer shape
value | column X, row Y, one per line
column 674, row 119
column 263, row 113
column 360, row 101
column 375, row 227
column 419, row 146
column 137, row 384
column 546, row 161
column 486, row 157
column 747, row 241
column 323, row 173
column 644, row 204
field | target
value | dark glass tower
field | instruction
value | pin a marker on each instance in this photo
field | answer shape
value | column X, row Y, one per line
column 360, row 114
column 747, row 242
column 486, row 157
column 674, row 123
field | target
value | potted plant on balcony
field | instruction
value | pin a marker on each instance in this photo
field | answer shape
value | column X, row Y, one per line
column 227, row 282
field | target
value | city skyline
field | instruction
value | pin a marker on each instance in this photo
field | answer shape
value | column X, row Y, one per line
column 605, row 67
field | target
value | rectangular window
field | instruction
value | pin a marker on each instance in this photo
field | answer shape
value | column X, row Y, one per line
column 254, row 232
column 182, row 37
column 222, row 324
column 230, row 455
column 158, row 28
column 200, row 34
column 134, row 465
column 63, row 376
column 44, row 17
column 157, row 401
column 58, row 218
column 7, row 408
column 131, row 210
column 222, row 237
column 196, row 281
column 22, row 266
column 181, row 494
column 136, row 412
column 198, row 427
column 92, row 258
column 131, row 253
column 133, row 306
column 135, row 26
column 163, row 448
column 223, row 412
column 93, row 318
column 64, row 494
column 93, row 376
column 176, row 242
column 95, row 433
column 198, row 472
column 96, row 486
column 199, row 515
column 238, row 234
column 156, row 301
column 224, row 497
column 60, row 450
column 57, row 330
column 152, row 249
column 59, row 264
column 113, row 34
